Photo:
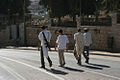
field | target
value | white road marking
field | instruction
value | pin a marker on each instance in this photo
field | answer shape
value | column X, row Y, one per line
column 12, row 72
column 33, row 68
column 102, row 74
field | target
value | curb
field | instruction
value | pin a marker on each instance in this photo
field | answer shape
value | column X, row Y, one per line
column 70, row 51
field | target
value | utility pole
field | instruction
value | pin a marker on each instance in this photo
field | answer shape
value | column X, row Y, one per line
column 79, row 18
column 80, row 13
column 9, row 23
column 24, row 10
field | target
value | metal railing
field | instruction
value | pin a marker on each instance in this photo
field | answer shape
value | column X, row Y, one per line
column 85, row 22
column 118, row 18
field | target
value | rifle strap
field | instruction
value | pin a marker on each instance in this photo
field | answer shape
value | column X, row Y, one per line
column 44, row 37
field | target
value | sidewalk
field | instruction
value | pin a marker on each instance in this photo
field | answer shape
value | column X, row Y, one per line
column 101, row 53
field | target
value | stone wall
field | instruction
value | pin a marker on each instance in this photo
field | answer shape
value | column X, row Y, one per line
column 115, row 32
column 4, row 36
column 99, row 36
column 32, row 35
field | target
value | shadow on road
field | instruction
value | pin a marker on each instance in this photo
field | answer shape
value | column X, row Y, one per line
column 105, row 66
column 91, row 67
column 73, row 69
column 54, row 71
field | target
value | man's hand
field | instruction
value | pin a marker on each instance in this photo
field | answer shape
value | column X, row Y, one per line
column 55, row 48
column 38, row 49
column 66, row 50
column 39, row 43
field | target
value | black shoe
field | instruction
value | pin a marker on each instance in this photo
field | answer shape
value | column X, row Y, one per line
column 42, row 67
column 79, row 62
column 63, row 64
column 50, row 64
column 60, row 66
column 87, row 61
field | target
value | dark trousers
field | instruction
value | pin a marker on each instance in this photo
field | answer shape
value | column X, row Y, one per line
column 42, row 58
column 86, row 52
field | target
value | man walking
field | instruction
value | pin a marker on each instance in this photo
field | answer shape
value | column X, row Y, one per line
column 79, row 45
column 44, row 39
column 88, row 42
column 62, row 44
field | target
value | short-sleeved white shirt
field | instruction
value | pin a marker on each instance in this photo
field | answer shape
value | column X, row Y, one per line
column 47, row 35
column 79, row 38
column 62, row 40
column 88, row 39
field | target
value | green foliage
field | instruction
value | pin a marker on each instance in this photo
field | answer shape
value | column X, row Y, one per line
column 59, row 8
column 111, row 5
column 13, row 6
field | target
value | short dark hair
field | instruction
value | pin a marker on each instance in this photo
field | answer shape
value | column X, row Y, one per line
column 60, row 31
column 79, row 30
column 43, row 27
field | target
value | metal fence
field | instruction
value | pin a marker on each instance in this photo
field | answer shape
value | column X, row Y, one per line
column 96, row 22
column 85, row 22
column 118, row 18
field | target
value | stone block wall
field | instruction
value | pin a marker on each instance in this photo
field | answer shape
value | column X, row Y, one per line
column 115, row 32
column 4, row 36
column 99, row 36
column 32, row 35
column 14, row 40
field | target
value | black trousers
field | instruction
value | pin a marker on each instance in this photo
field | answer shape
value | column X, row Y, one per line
column 86, row 52
column 42, row 58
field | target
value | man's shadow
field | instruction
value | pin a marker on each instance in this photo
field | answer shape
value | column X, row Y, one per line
column 99, row 65
column 95, row 66
column 73, row 69
column 92, row 67
column 54, row 71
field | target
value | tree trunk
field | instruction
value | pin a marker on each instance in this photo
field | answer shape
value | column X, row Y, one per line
column 59, row 21
column 74, row 19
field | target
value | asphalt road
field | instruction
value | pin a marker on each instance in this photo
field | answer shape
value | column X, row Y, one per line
column 24, row 65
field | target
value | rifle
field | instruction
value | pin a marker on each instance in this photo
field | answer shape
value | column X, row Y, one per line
column 47, row 43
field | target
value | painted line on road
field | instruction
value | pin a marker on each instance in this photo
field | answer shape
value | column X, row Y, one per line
column 12, row 72
column 102, row 74
column 34, row 68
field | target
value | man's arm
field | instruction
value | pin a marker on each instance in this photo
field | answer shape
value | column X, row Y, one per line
column 39, row 43
column 56, row 46
column 67, row 47
column 67, row 44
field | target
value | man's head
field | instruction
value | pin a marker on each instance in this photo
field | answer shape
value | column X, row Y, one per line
column 79, row 30
column 86, row 29
column 43, row 27
column 60, row 31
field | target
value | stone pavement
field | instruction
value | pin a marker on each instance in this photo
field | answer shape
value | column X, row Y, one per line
column 101, row 53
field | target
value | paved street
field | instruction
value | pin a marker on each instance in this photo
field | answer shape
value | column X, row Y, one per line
column 24, row 65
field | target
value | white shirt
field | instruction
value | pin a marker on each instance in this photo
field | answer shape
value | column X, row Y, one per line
column 47, row 35
column 88, row 39
column 79, row 39
column 62, row 40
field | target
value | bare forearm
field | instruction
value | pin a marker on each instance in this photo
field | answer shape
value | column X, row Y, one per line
column 39, row 43
column 56, row 46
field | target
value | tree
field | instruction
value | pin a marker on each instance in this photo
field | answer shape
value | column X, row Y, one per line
column 69, row 7
column 56, row 8
column 13, row 6
column 60, row 8
column 85, row 7
column 111, row 5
